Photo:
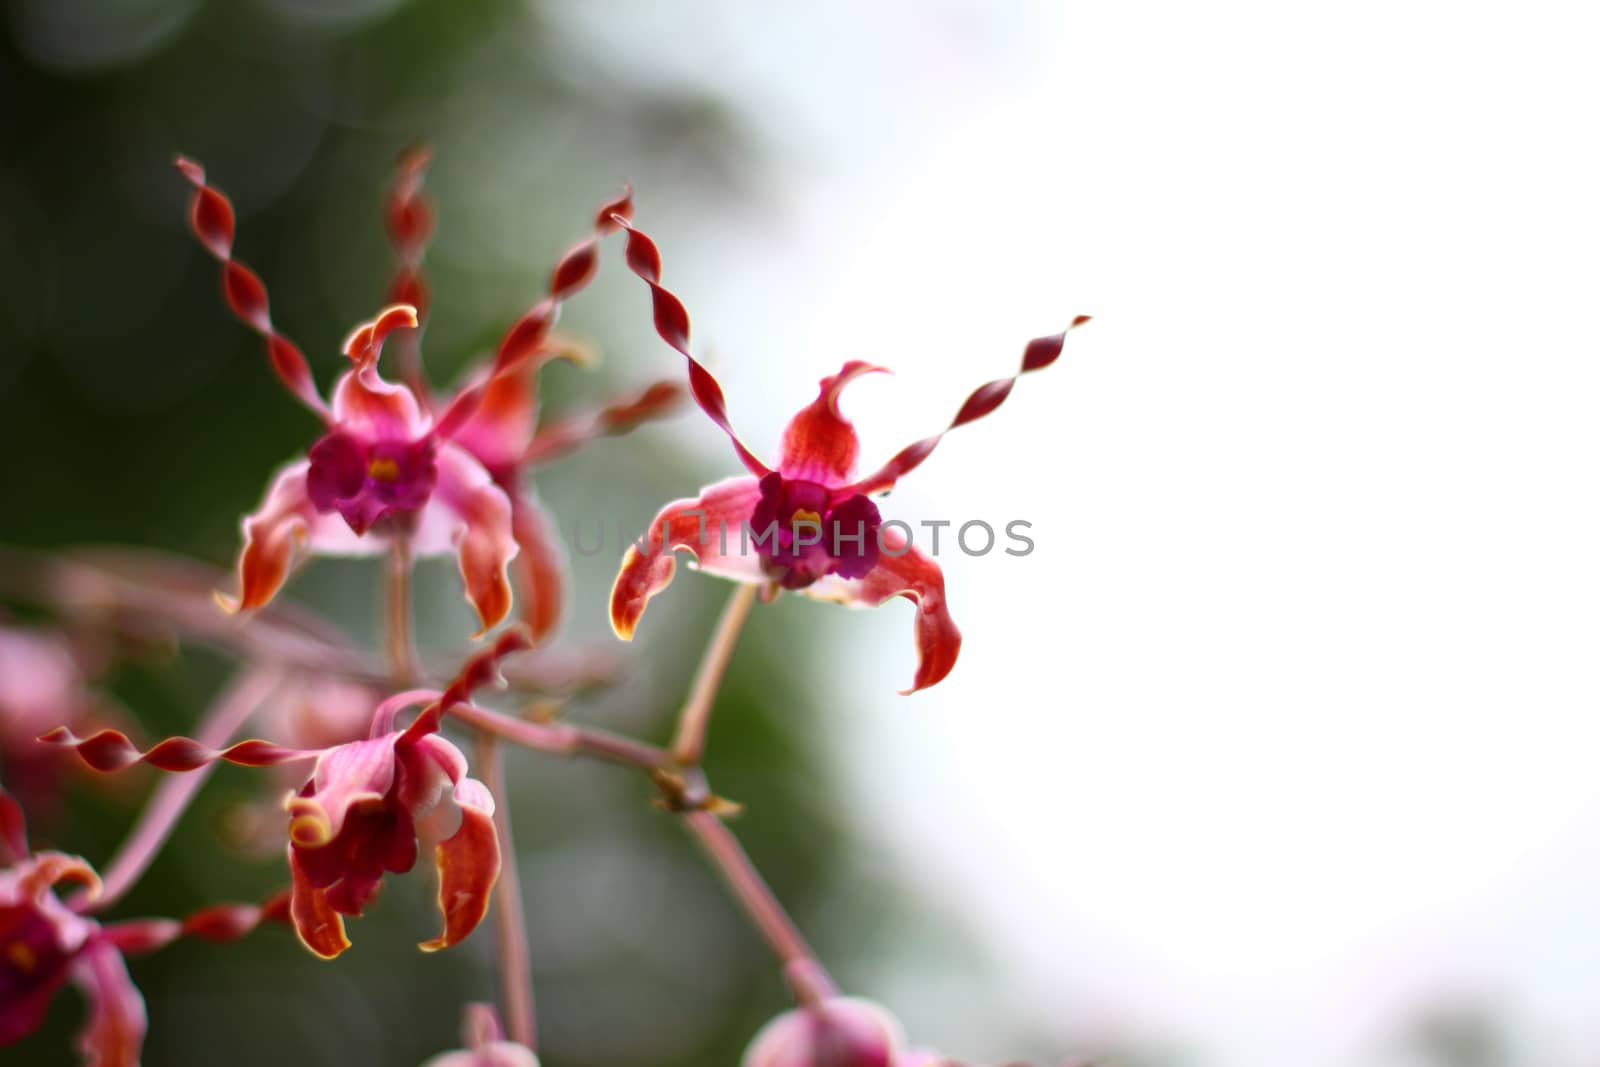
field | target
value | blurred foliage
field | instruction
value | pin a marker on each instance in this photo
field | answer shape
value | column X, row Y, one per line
column 134, row 410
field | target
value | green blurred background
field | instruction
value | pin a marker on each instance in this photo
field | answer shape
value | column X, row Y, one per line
column 135, row 411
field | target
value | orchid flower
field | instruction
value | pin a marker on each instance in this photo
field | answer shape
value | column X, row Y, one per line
column 837, row 1032
column 386, row 466
column 503, row 433
column 486, row 1044
column 361, row 811
column 44, row 944
column 808, row 524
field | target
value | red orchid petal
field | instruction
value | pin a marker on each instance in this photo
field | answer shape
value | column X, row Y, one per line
column 13, row 831
column 656, row 401
column 672, row 323
column 481, row 670
column 114, row 1033
column 229, row 922
column 540, row 567
column 710, row 527
column 320, row 928
column 1039, row 353
column 211, row 219
column 480, row 531
column 494, row 417
column 134, row 937
column 279, row 532
column 819, row 444
column 904, row 571
column 110, row 750
column 469, row 863
column 530, row 335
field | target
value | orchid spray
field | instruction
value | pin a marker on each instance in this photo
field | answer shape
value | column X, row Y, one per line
column 380, row 770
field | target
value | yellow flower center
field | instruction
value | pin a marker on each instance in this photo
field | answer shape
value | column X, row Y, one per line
column 383, row 469
column 22, row 956
column 810, row 518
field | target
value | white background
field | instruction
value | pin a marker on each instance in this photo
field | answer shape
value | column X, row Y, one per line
column 1286, row 733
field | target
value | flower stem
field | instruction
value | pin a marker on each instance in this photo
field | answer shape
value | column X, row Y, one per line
column 563, row 739
column 510, row 923
column 225, row 718
column 402, row 650
column 807, row 977
column 689, row 743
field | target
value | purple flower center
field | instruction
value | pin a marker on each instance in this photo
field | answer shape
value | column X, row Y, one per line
column 32, row 965
column 802, row 533
column 364, row 481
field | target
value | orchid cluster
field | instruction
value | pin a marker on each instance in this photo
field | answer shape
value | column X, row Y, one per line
column 360, row 754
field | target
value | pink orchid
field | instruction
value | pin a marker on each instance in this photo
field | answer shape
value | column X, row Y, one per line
column 838, row 1032
column 809, row 524
column 486, row 1044
column 386, row 466
column 44, row 944
column 41, row 685
column 503, row 433
column 360, row 813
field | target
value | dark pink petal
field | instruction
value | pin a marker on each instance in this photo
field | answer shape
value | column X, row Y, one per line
column 904, row 571
column 349, row 776
column 469, row 864
column 1039, row 353
column 111, row 750
column 13, row 831
column 114, row 1033
column 820, row 444
column 711, row 528
column 557, row 439
column 211, row 219
column 320, row 928
column 477, row 517
column 364, row 402
column 672, row 323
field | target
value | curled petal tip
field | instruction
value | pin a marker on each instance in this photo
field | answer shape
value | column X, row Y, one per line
column 1079, row 321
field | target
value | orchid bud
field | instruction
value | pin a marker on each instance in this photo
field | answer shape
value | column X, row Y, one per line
column 839, row 1032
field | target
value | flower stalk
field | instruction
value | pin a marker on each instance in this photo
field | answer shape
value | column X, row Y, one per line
column 510, row 921
column 695, row 719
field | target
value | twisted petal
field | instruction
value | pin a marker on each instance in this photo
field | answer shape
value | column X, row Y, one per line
column 819, row 444
column 471, row 516
column 114, row 1033
column 1039, row 353
column 710, row 527
column 469, row 863
column 557, row 439
column 111, row 750
column 285, row 526
column 904, row 571
column 672, row 324
column 211, row 219
column 320, row 928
